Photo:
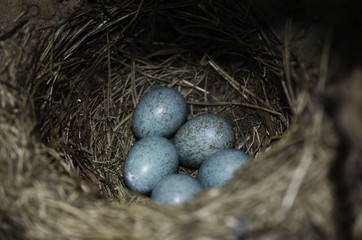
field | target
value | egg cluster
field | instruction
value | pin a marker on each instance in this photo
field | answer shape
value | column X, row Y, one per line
column 205, row 142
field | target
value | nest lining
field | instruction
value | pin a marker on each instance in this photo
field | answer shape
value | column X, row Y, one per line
column 101, row 61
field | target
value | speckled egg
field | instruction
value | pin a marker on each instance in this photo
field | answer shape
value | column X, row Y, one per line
column 202, row 136
column 219, row 168
column 159, row 113
column 148, row 161
column 175, row 189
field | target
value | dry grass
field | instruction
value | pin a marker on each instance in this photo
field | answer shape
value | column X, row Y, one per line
column 98, row 65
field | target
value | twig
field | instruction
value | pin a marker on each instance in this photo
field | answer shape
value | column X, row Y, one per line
column 286, row 59
column 298, row 177
column 122, row 122
column 235, row 103
column 109, row 80
column 324, row 62
column 195, row 86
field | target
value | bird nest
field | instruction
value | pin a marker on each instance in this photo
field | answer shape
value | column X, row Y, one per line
column 66, row 127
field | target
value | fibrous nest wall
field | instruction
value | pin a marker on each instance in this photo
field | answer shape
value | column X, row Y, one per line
column 67, row 104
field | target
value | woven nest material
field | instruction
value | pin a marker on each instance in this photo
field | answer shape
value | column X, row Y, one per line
column 69, row 90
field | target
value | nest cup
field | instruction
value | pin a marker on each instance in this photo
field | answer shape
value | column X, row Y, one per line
column 106, row 60
column 94, row 67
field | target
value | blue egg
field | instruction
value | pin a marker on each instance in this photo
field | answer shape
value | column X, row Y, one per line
column 219, row 168
column 159, row 113
column 175, row 189
column 148, row 161
column 202, row 136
